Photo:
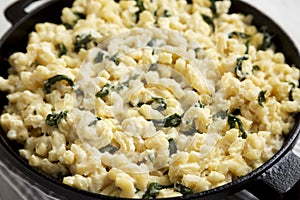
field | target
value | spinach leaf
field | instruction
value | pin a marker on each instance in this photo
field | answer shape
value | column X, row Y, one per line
column 209, row 21
column 99, row 57
column 172, row 146
column 141, row 7
column 153, row 190
column 291, row 91
column 232, row 120
column 238, row 34
column 247, row 46
column 236, row 111
column 94, row 122
column 199, row 104
column 104, row 91
column 255, row 68
column 54, row 118
column 62, row 50
column 115, row 59
column 162, row 105
column 261, row 98
column 53, row 80
column 183, row 189
column 267, row 41
column 238, row 68
column 81, row 41
column 213, row 7
column 166, row 13
column 79, row 15
column 109, row 148
column 221, row 114
column 153, row 67
column 173, row 120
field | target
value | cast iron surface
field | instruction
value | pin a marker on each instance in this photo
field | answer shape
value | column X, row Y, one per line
column 16, row 40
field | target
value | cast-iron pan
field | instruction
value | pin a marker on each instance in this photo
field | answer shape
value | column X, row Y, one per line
column 270, row 181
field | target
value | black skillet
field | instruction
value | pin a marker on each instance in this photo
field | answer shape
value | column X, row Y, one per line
column 270, row 181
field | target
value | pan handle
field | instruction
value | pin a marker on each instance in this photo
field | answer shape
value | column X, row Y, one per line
column 279, row 179
column 16, row 11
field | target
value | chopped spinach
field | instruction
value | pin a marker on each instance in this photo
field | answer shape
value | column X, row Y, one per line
column 236, row 111
column 79, row 15
column 94, row 122
column 141, row 7
column 238, row 34
column 261, row 98
column 199, row 104
column 153, row 67
column 153, row 190
column 247, row 46
column 291, row 91
column 162, row 105
column 81, row 41
column 267, row 41
column 62, row 49
column 209, row 21
column 166, row 13
column 109, row 148
column 172, row 146
column 171, row 121
column 221, row 114
column 104, row 91
column 232, row 120
column 115, row 59
column 213, row 7
column 255, row 68
column 238, row 68
column 54, row 118
column 183, row 189
column 53, row 80
column 99, row 57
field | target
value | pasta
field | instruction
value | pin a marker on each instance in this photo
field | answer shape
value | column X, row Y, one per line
column 149, row 98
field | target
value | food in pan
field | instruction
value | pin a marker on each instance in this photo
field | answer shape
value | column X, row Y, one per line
column 148, row 98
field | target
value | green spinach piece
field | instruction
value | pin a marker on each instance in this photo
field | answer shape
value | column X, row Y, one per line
column 199, row 104
column 172, row 146
column 94, row 122
column 99, row 57
column 233, row 120
column 141, row 7
column 53, row 80
column 162, row 105
column 238, row 68
column 173, row 120
column 221, row 114
column 238, row 34
column 166, row 13
column 153, row 190
column 267, row 41
column 81, row 41
column 109, row 148
column 183, row 189
column 62, row 49
column 115, row 59
column 209, row 21
column 54, row 118
column 104, row 91
column 261, row 98
column 255, row 68
column 291, row 91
